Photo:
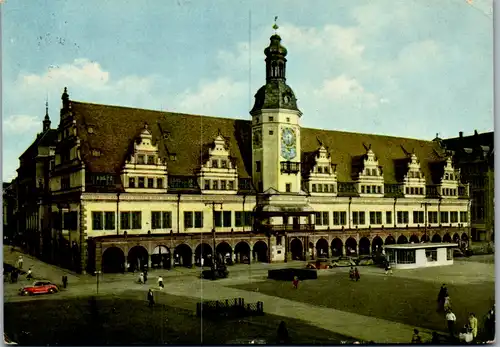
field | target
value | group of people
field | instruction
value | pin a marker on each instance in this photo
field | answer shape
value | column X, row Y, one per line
column 143, row 278
column 354, row 274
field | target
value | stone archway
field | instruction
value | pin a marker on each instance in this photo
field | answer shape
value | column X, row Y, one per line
column 203, row 255
column 160, row 258
column 224, row 252
column 389, row 240
column 402, row 240
column 456, row 238
column 113, row 260
column 322, row 248
column 138, row 258
column 377, row 244
column 436, row 238
column 183, row 255
column 337, row 247
column 242, row 252
column 425, row 238
column 351, row 247
column 364, row 246
column 260, row 252
column 465, row 237
column 296, row 249
column 414, row 239
column 447, row 238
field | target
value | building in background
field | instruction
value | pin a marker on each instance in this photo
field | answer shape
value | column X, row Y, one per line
column 127, row 188
column 474, row 156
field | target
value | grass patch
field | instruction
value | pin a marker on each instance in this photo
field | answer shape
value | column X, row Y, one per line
column 394, row 298
column 127, row 319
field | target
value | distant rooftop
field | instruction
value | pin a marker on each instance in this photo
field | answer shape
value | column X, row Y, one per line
column 421, row 245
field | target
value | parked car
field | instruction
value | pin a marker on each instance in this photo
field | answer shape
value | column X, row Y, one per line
column 8, row 341
column 364, row 261
column 319, row 264
column 39, row 287
column 343, row 261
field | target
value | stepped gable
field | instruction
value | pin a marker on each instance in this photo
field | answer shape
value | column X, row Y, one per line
column 114, row 127
column 346, row 146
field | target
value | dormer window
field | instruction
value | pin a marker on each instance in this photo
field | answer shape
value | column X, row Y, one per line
column 320, row 169
column 150, row 159
column 374, row 172
column 215, row 163
column 140, row 159
column 223, row 164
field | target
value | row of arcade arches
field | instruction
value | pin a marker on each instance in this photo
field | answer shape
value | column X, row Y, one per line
column 114, row 259
column 338, row 248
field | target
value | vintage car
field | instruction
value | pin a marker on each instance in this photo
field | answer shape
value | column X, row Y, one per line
column 343, row 261
column 364, row 261
column 319, row 264
column 39, row 287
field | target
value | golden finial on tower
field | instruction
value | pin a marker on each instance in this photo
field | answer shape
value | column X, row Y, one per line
column 275, row 26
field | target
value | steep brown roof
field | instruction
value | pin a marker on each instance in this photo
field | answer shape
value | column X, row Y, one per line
column 187, row 136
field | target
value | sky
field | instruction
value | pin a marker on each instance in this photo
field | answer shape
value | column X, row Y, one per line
column 409, row 68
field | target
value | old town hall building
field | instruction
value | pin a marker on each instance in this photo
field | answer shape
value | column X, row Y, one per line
column 114, row 187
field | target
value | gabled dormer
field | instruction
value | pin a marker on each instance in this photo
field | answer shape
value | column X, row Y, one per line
column 321, row 179
column 218, row 175
column 414, row 180
column 368, row 175
column 448, row 186
column 144, row 171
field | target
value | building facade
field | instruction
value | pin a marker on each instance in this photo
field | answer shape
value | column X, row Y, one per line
column 474, row 156
column 130, row 187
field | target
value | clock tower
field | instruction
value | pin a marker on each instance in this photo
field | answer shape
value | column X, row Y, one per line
column 275, row 127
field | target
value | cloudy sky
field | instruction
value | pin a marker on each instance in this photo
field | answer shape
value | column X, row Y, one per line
column 410, row 68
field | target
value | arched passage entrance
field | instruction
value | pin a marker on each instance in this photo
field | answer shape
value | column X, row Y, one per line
column 436, row 238
column 402, row 240
column 203, row 255
column 183, row 255
column 260, row 251
column 242, row 252
column 224, row 251
column 364, row 246
column 446, row 238
column 337, row 247
column 138, row 258
column 465, row 237
column 350, row 246
column 322, row 248
column 113, row 260
column 456, row 238
column 425, row 238
column 296, row 249
column 414, row 239
column 160, row 258
column 389, row 240
column 377, row 244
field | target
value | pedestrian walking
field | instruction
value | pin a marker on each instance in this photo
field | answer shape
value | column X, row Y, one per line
column 489, row 324
column 473, row 324
column 416, row 337
column 356, row 274
column 29, row 275
column 443, row 293
column 20, row 262
column 451, row 319
column 282, row 337
column 351, row 274
column 151, row 298
column 141, row 278
column 160, row 282
column 295, row 282
column 65, row 281
column 447, row 304
column 145, row 276
column 388, row 269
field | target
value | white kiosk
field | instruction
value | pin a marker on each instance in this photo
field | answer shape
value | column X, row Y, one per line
column 417, row 255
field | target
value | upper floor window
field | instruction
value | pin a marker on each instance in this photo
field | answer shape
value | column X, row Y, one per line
column 151, row 183
column 271, row 119
column 223, row 164
column 159, row 183
column 151, row 159
column 141, row 182
column 140, row 159
column 257, row 166
column 215, row 163
column 131, row 182
column 288, row 187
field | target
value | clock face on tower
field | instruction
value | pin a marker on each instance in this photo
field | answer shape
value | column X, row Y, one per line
column 288, row 143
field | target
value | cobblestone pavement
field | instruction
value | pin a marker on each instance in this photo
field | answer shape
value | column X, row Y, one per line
column 186, row 282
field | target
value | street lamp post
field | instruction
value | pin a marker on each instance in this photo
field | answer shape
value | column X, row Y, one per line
column 97, row 273
column 213, row 204
column 425, row 204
